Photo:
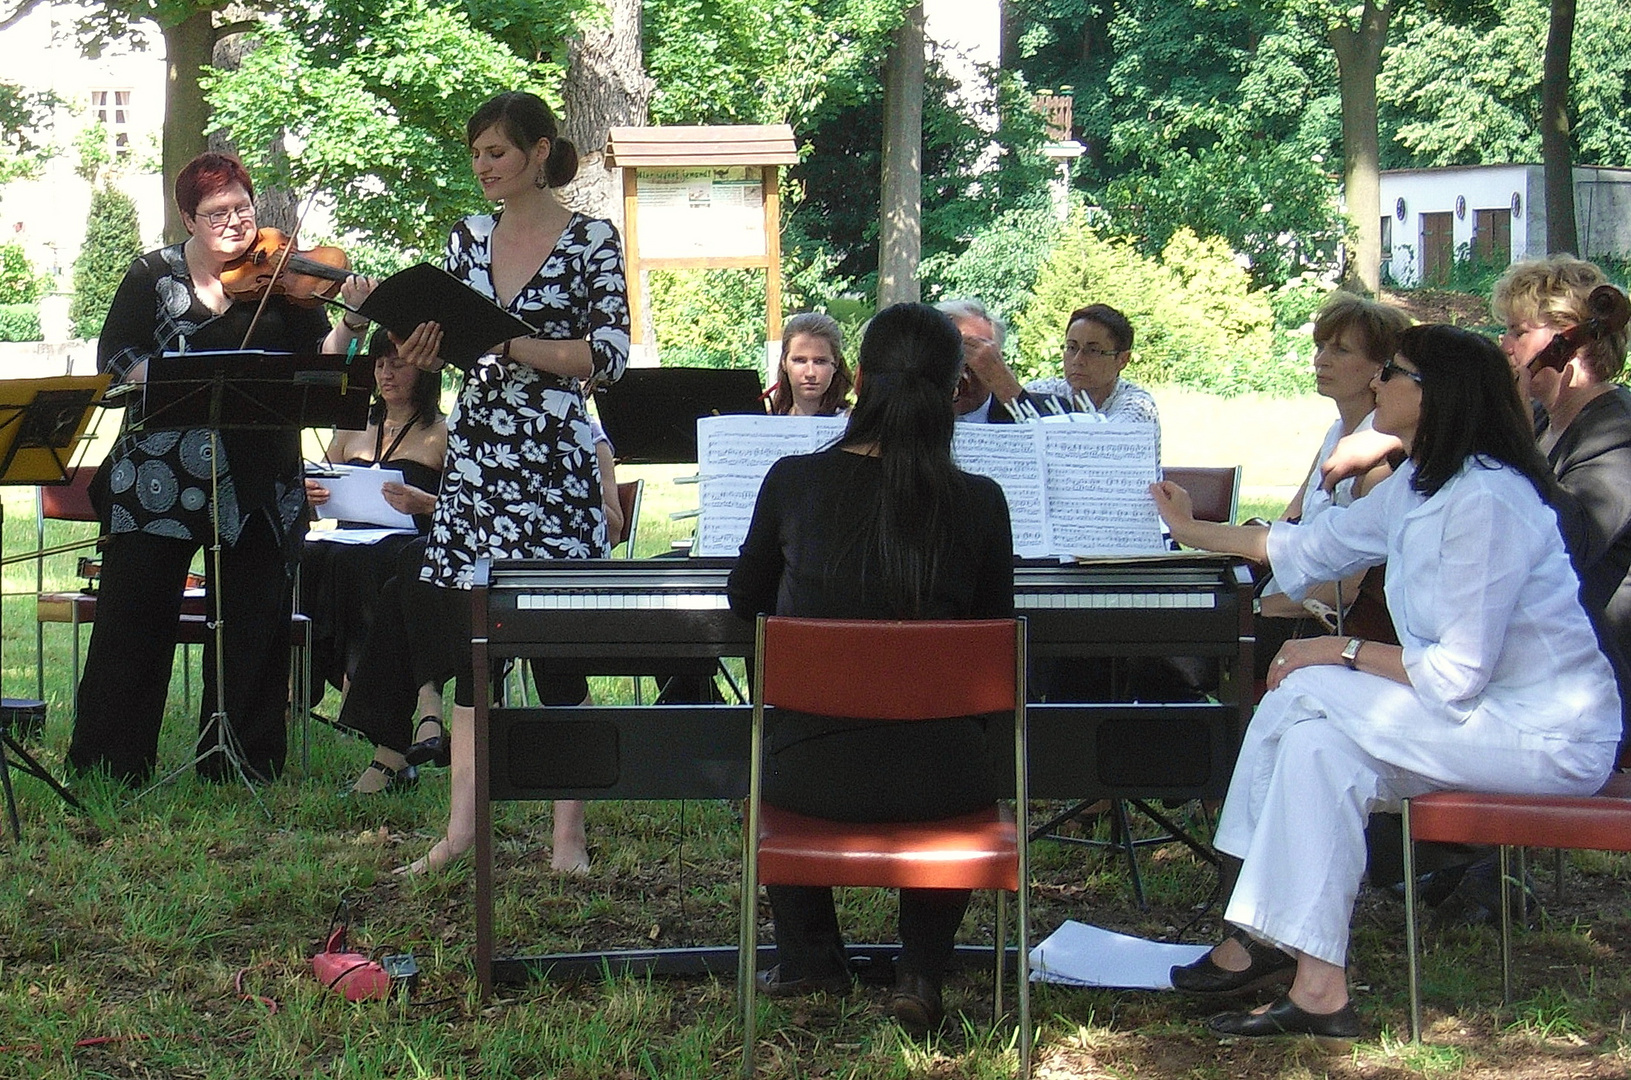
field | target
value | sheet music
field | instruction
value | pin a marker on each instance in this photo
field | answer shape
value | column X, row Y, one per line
column 733, row 455
column 1010, row 454
column 354, row 494
column 1098, row 479
column 1073, row 489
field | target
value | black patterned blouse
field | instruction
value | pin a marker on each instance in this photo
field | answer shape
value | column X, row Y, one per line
column 521, row 479
column 159, row 479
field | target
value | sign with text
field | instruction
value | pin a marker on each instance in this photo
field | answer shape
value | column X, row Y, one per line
column 701, row 212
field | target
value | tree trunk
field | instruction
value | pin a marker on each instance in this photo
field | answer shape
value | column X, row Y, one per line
column 900, row 225
column 1555, row 153
column 188, row 47
column 606, row 87
column 1359, row 58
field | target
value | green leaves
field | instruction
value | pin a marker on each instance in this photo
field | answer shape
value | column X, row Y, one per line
column 376, row 119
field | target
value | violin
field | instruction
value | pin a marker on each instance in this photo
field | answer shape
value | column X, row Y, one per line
column 1608, row 312
column 272, row 264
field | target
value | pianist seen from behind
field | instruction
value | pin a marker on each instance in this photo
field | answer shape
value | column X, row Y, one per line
column 880, row 526
column 1499, row 684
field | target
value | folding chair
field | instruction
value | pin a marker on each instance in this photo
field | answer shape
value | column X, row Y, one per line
column 900, row 671
column 1214, row 490
column 1600, row 822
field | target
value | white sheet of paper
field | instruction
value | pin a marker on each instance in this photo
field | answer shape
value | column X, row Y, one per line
column 354, row 536
column 1073, row 489
column 354, row 495
column 1079, row 954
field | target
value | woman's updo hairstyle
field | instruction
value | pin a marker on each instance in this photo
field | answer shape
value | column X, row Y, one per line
column 1469, row 408
column 524, row 119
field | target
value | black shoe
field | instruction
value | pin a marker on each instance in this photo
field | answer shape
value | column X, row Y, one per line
column 1269, row 967
column 395, row 779
column 916, row 1004
column 771, row 983
column 436, row 750
column 1335, row 1030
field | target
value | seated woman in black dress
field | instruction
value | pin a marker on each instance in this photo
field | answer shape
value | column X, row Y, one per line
column 880, row 526
column 340, row 582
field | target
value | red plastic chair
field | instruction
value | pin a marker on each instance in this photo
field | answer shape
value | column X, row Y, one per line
column 899, row 671
column 1600, row 822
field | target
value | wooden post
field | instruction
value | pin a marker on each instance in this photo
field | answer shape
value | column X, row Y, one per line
column 631, row 248
column 773, row 251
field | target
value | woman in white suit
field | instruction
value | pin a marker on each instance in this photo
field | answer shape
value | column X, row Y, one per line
column 1499, row 684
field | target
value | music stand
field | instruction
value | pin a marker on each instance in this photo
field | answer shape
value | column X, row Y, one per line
column 651, row 414
column 247, row 390
column 40, row 420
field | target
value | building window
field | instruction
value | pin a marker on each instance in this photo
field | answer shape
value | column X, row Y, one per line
column 111, row 109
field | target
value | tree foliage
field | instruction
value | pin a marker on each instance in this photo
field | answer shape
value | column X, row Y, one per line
column 1468, row 92
column 377, row 117
column 112, row 241
column 1196, row 317
column 25, row 116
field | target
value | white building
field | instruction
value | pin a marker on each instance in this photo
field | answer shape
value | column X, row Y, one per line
column 1493, row 213
column 124, row 91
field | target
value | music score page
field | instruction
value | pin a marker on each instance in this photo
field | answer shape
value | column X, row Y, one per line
column 1078, row 490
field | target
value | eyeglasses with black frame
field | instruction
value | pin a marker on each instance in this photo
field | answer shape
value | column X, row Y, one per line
column 1391, row 369
column 220, row 219
column 1070, row 348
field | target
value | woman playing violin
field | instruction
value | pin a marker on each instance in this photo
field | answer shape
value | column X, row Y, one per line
column 158, row 505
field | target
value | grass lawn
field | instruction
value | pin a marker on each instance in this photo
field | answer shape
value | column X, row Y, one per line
column 171, row 937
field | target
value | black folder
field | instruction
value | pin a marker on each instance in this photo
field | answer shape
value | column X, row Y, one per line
column 472, row 325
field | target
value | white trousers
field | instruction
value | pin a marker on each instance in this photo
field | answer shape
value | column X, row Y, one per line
column 1330, row 745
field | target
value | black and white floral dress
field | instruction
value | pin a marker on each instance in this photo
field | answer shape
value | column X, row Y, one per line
column 521, row 479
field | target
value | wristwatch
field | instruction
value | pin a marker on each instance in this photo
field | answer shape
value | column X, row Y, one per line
column 1350, row 652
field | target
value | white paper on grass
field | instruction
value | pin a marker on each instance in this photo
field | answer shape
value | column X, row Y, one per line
column 1073, row 490
column 355, row 494
column 1079, row 954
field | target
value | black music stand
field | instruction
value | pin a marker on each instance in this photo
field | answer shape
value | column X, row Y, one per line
column 40, row 421
column 248, row 390
column 651, row 414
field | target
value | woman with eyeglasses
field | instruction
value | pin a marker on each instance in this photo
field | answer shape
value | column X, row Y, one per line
column 1098, row 345
column 158, row 500
column 1498, row 685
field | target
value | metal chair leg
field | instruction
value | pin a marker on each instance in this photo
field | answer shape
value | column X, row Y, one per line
column 1412, row 945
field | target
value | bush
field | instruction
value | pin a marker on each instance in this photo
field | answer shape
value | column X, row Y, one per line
column 1000, row 264
column 19, row 284
column 709, row 318
column 112, row 241
column 1196, row 318
column 19, row 322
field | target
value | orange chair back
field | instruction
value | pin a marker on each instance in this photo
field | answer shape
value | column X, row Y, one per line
column 905, row 670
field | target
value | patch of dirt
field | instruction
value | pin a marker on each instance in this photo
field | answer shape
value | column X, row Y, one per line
column 1443, row 306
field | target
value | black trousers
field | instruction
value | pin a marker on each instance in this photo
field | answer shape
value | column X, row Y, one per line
column 133, row 642
column 421, row 634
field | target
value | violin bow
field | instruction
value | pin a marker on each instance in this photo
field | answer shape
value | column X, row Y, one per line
column 288, row 250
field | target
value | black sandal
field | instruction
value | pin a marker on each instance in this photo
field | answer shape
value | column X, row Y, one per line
column 436, row 750
column 395, row 779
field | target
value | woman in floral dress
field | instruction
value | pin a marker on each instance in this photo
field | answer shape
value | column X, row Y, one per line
column 521, row 478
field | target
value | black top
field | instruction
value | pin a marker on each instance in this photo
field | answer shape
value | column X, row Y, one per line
column 1592, row 461
column 799, row 559
column 160, row 480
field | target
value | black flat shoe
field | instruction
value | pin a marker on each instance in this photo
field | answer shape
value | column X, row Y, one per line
column 1269, row 967
column 436, row 750
column 916, row 1005
column 1334, row 1030
column 771, row 983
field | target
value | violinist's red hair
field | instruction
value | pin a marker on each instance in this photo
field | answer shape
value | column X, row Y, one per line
column 206, row 174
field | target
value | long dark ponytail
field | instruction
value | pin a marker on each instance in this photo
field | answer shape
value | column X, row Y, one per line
column 909, row 361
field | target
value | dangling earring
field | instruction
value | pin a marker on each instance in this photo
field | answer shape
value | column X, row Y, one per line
column 542, row 182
